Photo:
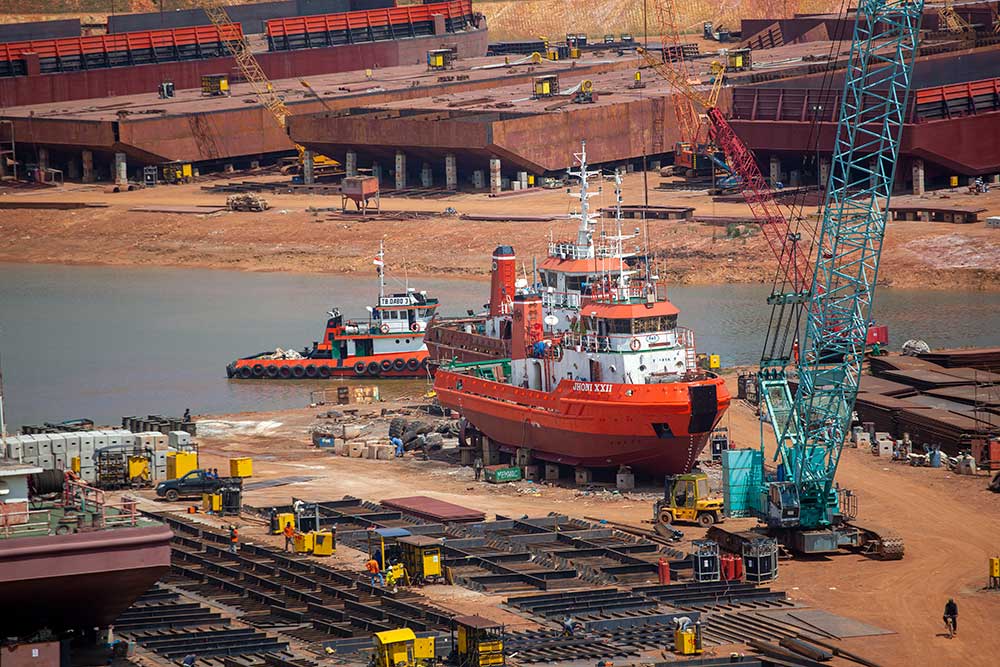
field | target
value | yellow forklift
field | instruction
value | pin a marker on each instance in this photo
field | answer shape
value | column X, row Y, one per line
column 476, row 642
column 402, row 648
column 686, row 499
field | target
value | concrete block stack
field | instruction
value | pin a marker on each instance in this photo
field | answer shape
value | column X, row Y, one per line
column 77, row 450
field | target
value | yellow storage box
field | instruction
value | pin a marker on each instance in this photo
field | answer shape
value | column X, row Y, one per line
column 323, row 543
column 138, row 468
column 423, row 648
column 304, row 543
column 211, row 502
column 74, row 464
column 995, row 567
column 241, row 467
column 181, row 463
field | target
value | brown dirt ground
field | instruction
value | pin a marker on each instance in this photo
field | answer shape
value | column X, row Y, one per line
column 290, row 237
column 950, row 525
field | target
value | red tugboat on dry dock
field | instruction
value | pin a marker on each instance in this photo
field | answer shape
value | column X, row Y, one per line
column 611, row 382
column 390, row 344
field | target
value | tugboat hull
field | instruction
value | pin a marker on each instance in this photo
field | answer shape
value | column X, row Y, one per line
column 657, row 429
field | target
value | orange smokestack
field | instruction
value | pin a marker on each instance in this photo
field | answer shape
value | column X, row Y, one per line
column 502, row 278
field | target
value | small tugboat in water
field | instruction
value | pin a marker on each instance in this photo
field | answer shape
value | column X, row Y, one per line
column 389, row 344
column 599, row 378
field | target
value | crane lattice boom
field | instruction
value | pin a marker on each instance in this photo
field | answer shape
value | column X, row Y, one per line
column 812, row 427
column 793, row 264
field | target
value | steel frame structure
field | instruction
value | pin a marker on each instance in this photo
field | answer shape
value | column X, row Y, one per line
column 811, row 429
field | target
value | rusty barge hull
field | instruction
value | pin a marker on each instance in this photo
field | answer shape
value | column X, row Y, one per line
column 79, row 581
column 202, row 129
column 952, row 124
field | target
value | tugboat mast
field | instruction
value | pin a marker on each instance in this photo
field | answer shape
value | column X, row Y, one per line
column 380, row 269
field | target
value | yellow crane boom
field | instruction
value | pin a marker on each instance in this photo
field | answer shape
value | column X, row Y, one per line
column 252, row 71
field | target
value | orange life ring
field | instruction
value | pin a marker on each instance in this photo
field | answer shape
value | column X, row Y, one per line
column 415, row 327
column 635, row 344
column 384, row 328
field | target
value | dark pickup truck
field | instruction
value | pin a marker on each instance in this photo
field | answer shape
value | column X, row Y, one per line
column 194, row 484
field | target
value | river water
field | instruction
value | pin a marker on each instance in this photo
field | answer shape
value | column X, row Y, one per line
column 103, row 342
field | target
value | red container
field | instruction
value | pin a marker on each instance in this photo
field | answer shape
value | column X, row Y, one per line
column 732, row 567
column 663, row 570
column 737, row 568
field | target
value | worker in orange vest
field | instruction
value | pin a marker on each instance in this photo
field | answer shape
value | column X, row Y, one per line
column 375, row 571
column 234, row 538
column 289, row 534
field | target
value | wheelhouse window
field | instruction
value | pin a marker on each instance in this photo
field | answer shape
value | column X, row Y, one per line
column 575, row 283
column 643, row 325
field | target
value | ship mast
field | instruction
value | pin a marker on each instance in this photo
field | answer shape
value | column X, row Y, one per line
column 588, row 220
column 380, row 269
column 619, row 249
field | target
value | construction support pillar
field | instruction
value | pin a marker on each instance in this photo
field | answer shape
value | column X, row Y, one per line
column 351, row 163
column 377, row 172
column 996, row 179
column 496, row 184
column 43, row 160
column 121, row 169
column 775, row 170
column 478, row 179
column 426, row 175
column 450, row 172
column 918, row 177
column 400, row 170
column 824, row 172
column 491, row 452
column 308, row 175
column 87, row 159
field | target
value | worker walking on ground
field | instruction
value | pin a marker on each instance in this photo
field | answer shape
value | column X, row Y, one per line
column 570, row 626
column 477, row 467
column 951, row 617
column 375, row 572
column 289, row 534
column 234, row 539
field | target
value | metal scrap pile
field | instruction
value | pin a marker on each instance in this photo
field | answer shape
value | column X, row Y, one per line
column 247, row 201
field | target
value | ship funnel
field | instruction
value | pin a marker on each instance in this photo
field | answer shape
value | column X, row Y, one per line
column 528, row 326
column 504, row 273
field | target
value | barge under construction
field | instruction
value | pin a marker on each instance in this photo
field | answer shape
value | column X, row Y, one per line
column 73, row 563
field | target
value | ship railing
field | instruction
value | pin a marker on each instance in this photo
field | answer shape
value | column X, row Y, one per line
column 561, row 299
column 124, row 513
column 88, row 499
column 685, row 337
column 570, row 250
column 15, row 522
column 649, row 342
